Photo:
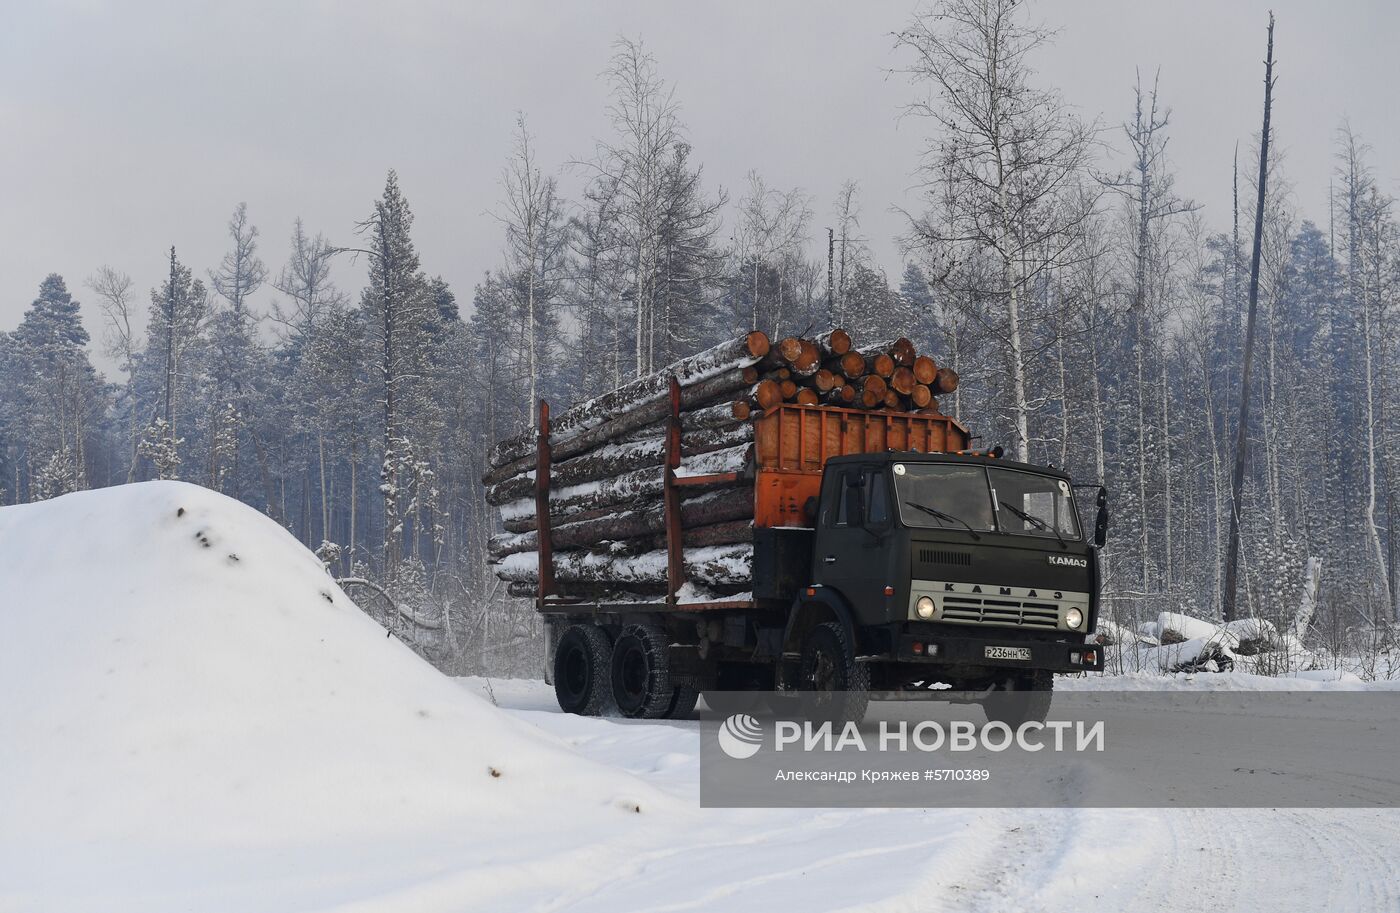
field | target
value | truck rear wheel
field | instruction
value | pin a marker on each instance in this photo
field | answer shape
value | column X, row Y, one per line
column 683, row 700
column 582, row 660
column 840, row 685
column 641, row 672
column 1022, row 699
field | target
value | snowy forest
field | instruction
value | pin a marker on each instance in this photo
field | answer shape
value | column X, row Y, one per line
column 1096, row 317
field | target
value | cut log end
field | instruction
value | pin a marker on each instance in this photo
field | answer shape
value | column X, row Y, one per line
column 925, row 369
column 875, row 385
column 808, row 360
column 903, row 352
column 946, row 381
column 767, row 394
column 881, row 364
column 902, row 381
column 853, row 365
column 790, row 349
column 757, row 343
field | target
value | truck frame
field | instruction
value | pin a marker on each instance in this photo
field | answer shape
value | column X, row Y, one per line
column 861, row 591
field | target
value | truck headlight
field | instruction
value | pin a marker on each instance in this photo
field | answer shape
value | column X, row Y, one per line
column 924, row 607
column 1074, row 618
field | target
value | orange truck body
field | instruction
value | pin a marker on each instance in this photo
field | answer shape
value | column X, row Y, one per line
column 792, row 444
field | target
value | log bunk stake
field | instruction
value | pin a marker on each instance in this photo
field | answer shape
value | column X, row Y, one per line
column 675, row 536
column 546, row 550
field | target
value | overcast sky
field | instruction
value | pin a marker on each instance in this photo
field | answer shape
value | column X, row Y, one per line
column 130, row 126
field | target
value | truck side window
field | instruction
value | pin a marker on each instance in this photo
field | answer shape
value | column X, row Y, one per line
column 877, row 500
column 839, row 509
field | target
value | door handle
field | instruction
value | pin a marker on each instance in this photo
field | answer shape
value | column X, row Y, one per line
column 829, row 559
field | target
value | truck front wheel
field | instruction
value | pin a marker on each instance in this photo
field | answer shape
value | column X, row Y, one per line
column 641, row 672
column 840, row 686
column 1022, row 699
column 582, row 660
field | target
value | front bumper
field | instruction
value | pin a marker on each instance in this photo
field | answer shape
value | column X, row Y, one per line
column 1050, row 656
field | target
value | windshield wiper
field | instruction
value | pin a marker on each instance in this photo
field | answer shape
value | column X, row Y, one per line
column 1034, row 521
column 940, row 515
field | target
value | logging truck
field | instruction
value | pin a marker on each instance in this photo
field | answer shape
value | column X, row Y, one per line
column 859, row 552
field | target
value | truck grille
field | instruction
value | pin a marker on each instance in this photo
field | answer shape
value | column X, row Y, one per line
column 1000, row 610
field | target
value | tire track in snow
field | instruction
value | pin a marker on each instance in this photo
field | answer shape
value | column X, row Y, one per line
column 1359, row 847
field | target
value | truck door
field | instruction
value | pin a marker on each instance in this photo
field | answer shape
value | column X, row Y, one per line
column 851, row 553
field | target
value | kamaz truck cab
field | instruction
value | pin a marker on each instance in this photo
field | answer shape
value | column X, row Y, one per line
column 943, row 570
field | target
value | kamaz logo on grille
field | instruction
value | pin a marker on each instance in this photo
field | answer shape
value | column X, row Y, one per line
column 1068, row 561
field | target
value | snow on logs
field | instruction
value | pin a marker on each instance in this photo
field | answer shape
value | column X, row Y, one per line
column 607, row 457
column 715, row 565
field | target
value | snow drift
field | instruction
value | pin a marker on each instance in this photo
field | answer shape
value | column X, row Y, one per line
column 183, row 689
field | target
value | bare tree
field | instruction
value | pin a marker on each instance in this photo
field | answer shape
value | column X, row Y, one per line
column 535, row 248
column 306, row 281
column 1363, row 214
column 632, row 165
column 241, row 272
column 1148, row 190
column 847, row 222
column 1004, row 162
column 1242, row 441
column 772, row 225
column 120, row 340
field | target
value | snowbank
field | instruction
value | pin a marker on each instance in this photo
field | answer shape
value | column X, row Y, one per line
column 1176, row 643
column 183, row 689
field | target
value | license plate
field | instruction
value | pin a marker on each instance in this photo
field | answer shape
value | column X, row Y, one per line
column 1021, row 653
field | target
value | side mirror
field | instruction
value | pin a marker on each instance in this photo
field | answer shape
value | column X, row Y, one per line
column 855, row 506
column 1101, row 522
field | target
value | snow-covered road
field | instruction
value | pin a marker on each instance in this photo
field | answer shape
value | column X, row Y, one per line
column 956, row 859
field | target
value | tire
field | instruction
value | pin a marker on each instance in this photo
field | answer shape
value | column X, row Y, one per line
column 582, row 664
column 641, row 672
column 683, row 699
column 840, row 686
column 1022, row 699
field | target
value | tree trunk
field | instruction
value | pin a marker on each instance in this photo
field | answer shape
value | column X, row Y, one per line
column 702, row 393
column 712, row 566
column 718, row 506
column 1242, row 442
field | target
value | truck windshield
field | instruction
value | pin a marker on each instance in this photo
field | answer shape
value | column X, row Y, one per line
column 958, row 492
column 944, row 496
column 1034, row 505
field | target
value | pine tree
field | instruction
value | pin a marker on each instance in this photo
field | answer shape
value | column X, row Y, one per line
column 54, row 396
column 177, row 313
column 396, row 307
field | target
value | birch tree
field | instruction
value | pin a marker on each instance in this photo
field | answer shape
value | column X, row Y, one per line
column 630, row 166
column 121, row 341
column 1004, row 160
column 772, row 225
column 536, row 246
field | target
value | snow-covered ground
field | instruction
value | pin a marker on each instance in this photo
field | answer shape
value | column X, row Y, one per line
column 195, row 718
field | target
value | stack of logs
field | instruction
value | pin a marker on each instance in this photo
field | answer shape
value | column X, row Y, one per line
column 607, row 455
